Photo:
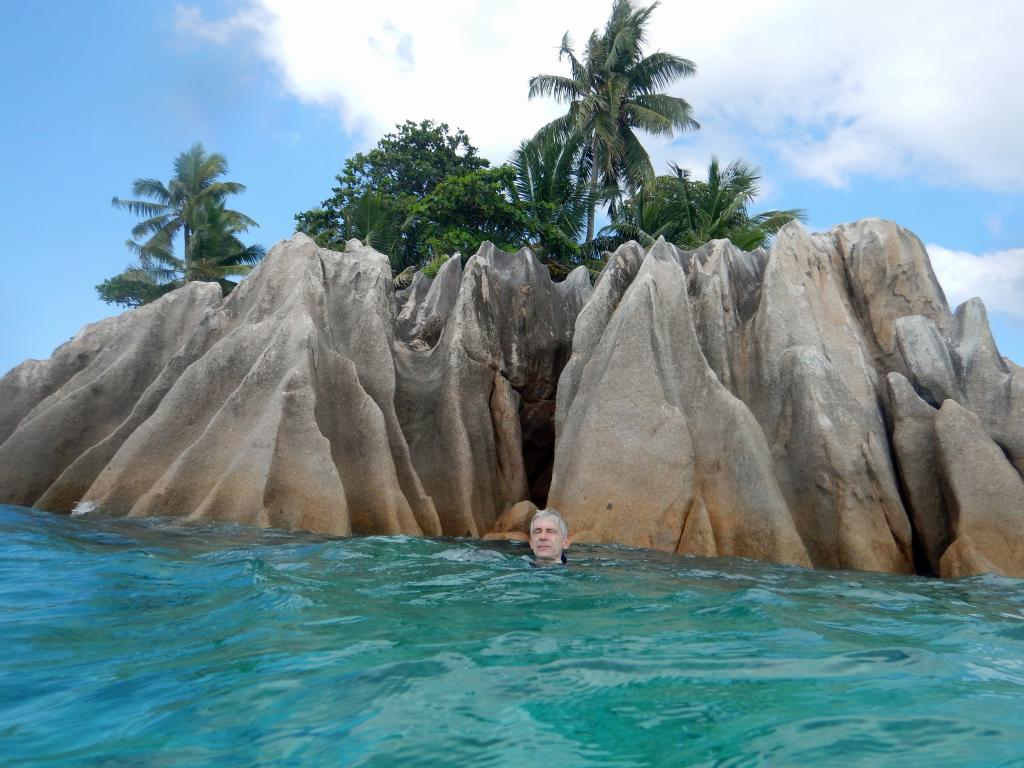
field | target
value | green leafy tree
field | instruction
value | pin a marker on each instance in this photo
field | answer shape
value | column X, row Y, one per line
column 612, row 91
column 132, row 288
column 377, row 190
column 192, row 205
column 690, row 212
column 463, row 211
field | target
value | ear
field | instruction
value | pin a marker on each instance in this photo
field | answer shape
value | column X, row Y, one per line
column 567, row 542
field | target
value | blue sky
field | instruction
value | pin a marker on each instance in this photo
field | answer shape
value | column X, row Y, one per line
column 910, row 112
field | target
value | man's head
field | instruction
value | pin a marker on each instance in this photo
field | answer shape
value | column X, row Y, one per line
column 549, row 535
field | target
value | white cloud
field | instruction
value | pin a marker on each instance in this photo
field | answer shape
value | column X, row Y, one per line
column 921, row 88
column 466, row 63
column 996, row 277
column 190, row 22
column 926, row 88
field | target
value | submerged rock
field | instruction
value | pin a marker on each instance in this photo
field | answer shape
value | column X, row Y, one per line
column 815, row 403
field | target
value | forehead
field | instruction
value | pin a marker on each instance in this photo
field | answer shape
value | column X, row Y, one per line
column 546, row 524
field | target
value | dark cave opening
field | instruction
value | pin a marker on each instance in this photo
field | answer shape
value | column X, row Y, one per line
column 537, row 423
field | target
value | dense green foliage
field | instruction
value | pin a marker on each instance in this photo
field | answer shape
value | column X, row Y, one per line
column 463, row 211
column 378, row 190
column 191, row 204
column 690, row 213
column 432, row 267
column 131, row 288
column 424, row 192
column 613, row 90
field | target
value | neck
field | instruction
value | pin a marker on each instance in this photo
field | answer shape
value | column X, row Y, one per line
column 548, row 560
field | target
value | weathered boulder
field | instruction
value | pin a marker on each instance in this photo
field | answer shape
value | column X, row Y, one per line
column 608, row 290
column 993, row 389
column 514, row 523
column 813, row 386
column 653, row 450
column 424, row 307
column 985, row 495
column 890, row 277
column 54, row 412
column 803, row 335
column 927, row 360
column 913, row 442
column 834, row 467
column 287, row 418
column 477, row 406
column 965, row 498
column 725, row 291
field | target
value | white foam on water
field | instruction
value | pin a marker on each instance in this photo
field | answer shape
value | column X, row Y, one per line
column 82, row 508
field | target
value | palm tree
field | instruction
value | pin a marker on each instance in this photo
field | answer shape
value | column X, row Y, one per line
column 172, row 208
column 213, row 254
column 192, row 203
column 690, row 213
column 550, row 182
column 613, row 90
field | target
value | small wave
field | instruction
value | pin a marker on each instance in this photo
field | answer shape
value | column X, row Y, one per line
column 240, row 646
column 472, row 555
column 82, row 508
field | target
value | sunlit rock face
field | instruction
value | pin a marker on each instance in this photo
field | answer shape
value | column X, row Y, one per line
column 814, row 404
column 312, row 397
column 653, row 450
column 842, row 349
column 477, row 364
column 63, row 419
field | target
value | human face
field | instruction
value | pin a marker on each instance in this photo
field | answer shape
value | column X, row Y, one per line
column 547, row 541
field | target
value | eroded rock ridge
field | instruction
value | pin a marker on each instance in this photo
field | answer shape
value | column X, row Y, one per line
column 815, row 404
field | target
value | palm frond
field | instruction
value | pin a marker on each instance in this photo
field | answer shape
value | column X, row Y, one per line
column 239, row 222
column 404, row 278
column 153, row 188
column 140, row 207
column 648, row 120
column 772, row 221
column 677, row 111
column 659, row 70
column 556, row 86
column 153, row 225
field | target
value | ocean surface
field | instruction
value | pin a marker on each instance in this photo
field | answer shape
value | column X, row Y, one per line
column 146, row 643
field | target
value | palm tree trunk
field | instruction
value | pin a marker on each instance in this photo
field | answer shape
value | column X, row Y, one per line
column 592, row 182
column 185, row 260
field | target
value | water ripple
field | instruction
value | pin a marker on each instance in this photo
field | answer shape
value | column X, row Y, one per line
column 154, row 643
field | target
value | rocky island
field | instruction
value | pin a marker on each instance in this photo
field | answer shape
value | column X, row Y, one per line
column 816, row 404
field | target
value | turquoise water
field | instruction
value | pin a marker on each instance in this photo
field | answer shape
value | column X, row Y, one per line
column 142, row 643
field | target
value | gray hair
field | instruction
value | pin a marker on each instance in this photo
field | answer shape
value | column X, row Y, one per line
column 552, row 513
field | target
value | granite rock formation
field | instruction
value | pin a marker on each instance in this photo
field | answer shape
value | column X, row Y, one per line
column 815, row 404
